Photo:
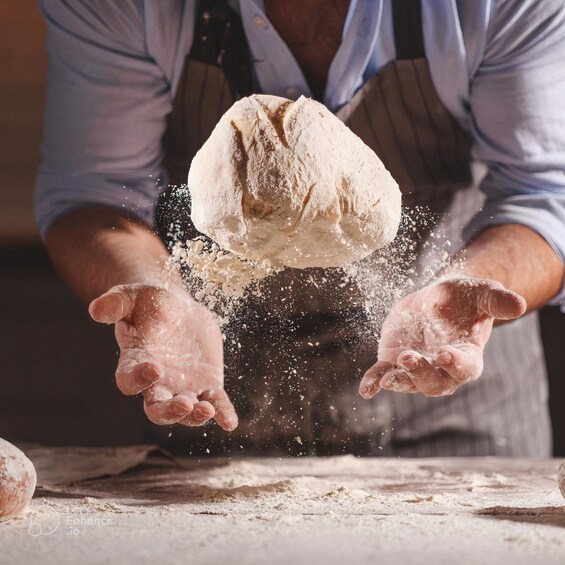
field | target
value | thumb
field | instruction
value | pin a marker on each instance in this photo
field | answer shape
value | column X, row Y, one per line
column 501, row 303
column 113, row 306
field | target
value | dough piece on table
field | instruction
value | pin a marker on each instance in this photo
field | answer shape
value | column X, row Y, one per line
column 17, row 480
column 289, row 182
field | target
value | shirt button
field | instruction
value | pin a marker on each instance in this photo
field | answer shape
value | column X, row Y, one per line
column 293, row 92
column 260, row 22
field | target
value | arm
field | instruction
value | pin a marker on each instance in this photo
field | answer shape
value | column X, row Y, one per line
column 171, row 348
column 433, row 340
column 518, row 258
column 95, row 249
column 107, row 99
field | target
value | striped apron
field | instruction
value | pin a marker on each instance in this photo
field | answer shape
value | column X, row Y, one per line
column 293, row 363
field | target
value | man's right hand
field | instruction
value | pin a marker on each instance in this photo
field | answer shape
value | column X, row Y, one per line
column 171, row 350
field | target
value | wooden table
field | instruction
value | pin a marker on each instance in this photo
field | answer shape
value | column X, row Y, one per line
column 327, row 510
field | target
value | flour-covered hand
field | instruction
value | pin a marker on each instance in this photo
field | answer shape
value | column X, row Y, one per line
column 171, row 350
column 432, row 341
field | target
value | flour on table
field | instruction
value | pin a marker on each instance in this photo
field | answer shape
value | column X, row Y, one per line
column 302, row 510
column 289, row 182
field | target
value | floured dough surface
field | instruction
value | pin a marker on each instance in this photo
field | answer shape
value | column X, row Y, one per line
column 561, row 478
column 289, row 182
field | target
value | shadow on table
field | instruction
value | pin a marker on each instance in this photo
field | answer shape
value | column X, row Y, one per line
column 158, row 483
column 546, row 515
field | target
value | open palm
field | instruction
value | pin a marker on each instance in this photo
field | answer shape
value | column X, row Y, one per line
column 171, row 350
column 432, row 341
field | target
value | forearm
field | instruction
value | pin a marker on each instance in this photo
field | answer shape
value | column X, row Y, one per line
column 96, row 248
column 518, row 258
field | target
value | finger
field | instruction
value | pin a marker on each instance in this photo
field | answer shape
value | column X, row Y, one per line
column 201, row 413
column 161, row 410
column 133, row 377
column 426, row 378
column 463, row 363
column 112, row 306
column 501, row 303
column 226, row 415
column 397, row 380
column 369, row 385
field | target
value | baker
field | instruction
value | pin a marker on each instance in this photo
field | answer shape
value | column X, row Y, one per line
column 136, row 87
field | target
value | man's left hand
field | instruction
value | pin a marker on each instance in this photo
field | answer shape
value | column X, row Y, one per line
column 432, row 341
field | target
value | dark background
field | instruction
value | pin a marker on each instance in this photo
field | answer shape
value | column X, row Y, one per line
column 56, row 366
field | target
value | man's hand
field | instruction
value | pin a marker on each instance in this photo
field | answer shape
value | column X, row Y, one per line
column 432, row 341
column 171, row 350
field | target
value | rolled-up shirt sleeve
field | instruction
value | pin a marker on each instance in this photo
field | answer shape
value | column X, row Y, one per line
column 105, row 111
column 517, row 106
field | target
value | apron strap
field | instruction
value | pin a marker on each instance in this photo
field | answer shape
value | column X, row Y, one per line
column 408, row 36
column 219, row 40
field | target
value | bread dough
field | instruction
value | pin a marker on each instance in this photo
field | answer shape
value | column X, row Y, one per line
column 289, row 182
column 17, row 480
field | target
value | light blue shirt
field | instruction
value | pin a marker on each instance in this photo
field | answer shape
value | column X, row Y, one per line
column 498, row 66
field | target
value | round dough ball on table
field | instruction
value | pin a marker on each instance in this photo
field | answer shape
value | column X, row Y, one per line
column 288, row 181
column 17, row 480
column 561, row 478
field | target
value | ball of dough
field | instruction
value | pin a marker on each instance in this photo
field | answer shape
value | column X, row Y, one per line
column 288, row 181
column 561, row 478
column 17, row 480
